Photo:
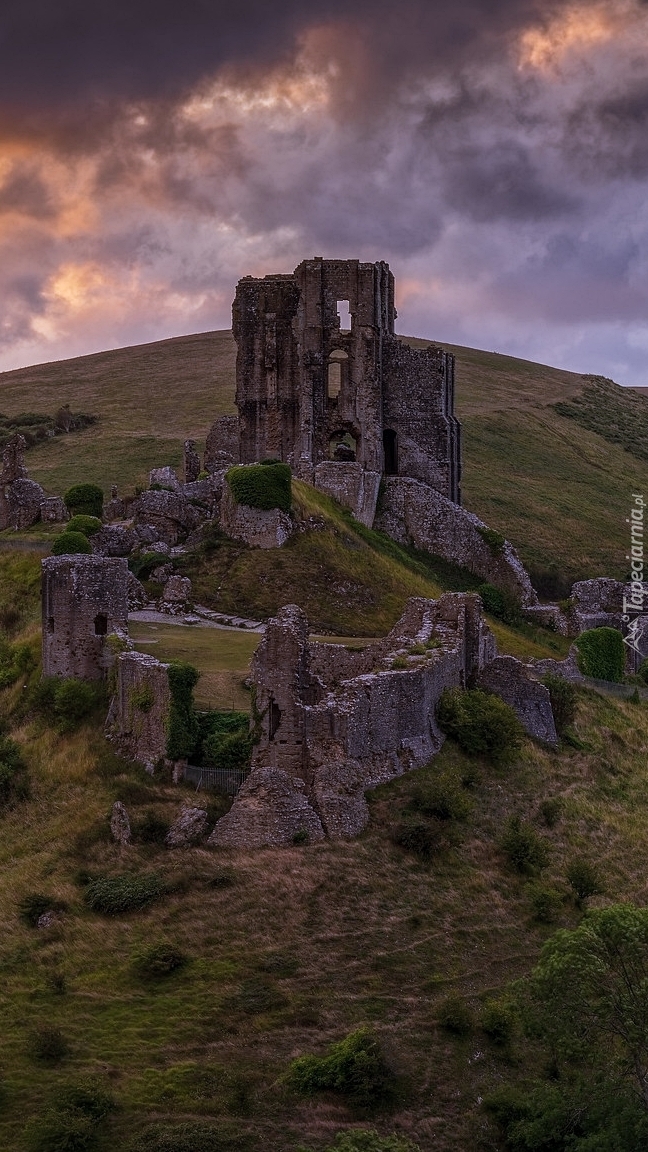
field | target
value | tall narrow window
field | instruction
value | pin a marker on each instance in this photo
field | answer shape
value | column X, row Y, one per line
column 274, row 718
column 391, row 452
column 101, row 625
column 337, row 369
column 344, row 315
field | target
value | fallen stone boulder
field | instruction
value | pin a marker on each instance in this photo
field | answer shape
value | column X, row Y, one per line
column 120, row 824
column 187, row 828
column 271, row 809
column 114, row 540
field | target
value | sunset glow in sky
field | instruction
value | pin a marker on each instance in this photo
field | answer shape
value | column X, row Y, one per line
column 495, row 152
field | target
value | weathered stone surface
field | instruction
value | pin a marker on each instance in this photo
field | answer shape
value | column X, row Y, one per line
column 256, row 527
column 170, row 515
column 507, row 678
column 177, row 593
column 120, row 828
column 139, row 711
column 595, row 604
column 339, row 722
column 53, row 510
column 191, row 462
column 135, row 592
column 114, row 540
column 567, row 668
column 222, row 448
column 351, row 485
column 13, row 460
column 188, row 828
column 411, row 512
column 308, row 391
column 84, row 601
column 270, row 809
column 116, row 508
column 21, row 505
column 547, row 616
column 164, row 477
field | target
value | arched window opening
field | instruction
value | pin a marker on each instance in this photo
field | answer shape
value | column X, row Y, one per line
column 343, row 447
column 338, row 364
column 390, row 449
column 101, row 625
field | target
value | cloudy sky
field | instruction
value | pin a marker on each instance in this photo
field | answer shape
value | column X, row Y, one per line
column 495, row 152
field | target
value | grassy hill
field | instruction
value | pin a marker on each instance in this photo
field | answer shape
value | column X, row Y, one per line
column 288, row 950
column 558, row 490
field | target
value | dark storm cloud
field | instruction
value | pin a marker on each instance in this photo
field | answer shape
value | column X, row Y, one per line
column 504, row 183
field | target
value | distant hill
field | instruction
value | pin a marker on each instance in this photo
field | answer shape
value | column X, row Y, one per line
column 558, row 490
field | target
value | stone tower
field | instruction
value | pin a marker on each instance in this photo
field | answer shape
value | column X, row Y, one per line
column 321, row 378
column 84, row 600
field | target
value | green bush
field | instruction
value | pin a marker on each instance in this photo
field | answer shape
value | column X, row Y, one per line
column 74, row 700
column 418, row 837
column 442, row 797
column 601, row 654
column 262, row 486
column 84, row 500
column 546, row 902
column 502, row 605
column 48, row 1044
column 158, row 960
column 482, row 725
column 363, row 1140
column 183, row 731
column 14, row 781
column 228, row 749
column 354, row 1068
column 494, row 539
column 88, row 525
column 88, row 1097
column 455, row 1016
column 36, row 904
column 584, row 878
column 72, row 1125
column 498, row 1021
column 142, row 697
column 114, row 895
column 563, row 697
column 71, row 544
column 524, row 849
column 15, row 660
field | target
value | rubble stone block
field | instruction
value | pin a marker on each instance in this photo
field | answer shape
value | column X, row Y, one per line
column 254, row 526
column 188, row 828
column 191, row 461
column 53, row 510
column 120, row 824
column 222, row 448
column 270, row 809
column 351, row 485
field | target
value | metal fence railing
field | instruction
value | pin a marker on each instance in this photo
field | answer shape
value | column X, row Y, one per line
column 225, row 780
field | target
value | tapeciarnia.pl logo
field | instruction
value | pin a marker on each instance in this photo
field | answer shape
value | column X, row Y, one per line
column 634, row 602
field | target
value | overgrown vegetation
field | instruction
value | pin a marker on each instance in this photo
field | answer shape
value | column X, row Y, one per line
column 183, row 730
column 225, row 740
column 482, row 724
column 88, row 525
column 36, row 427
column 71, row 544
column 129, row 892
column 354, row 1068
column 266, row 485
column 563, row 697
column 503, row 605
column 601, row 654
column 84, row 500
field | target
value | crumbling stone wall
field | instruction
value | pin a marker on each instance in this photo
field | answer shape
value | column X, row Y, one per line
column 84, row 601
column 20, row 498
column 304, row 383
column 258, row 527
column 223, row 448
column 411, row 512
column 334, row 723
column 191, row 462
column 137, row 721
column 507, row 678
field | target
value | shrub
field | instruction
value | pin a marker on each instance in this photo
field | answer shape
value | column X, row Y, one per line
column 158, row 960
column 524, row 849
column 71, row 544
column 14, row 781
column 183, row 729
column 88, row 1097
column 584, row 878
column 498, row 1021
column 418, row 837
column 84, row 500
column 142, row 566
column 482, row 725
column 262, row 486
column 500, row 604
column 355, row 1068
column 301, row 836
column 55, row 1131
column 228, row 746
column 114, row 895
column 563, row 697
column 545, row 901
column 74, row 700
column 88, row 525
column 551, row 810
column 455, row 1016
column 142, row 697
column 601, row 654
column 36, row 904
column 189, row 1136
column 15, row 660
column 442, row 797
column 48, row 1044
column 363, row 1140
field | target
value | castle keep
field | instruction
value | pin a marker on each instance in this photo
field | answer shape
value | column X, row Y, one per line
column 321, row 378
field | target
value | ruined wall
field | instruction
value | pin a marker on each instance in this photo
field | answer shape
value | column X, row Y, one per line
column 138, row 718
column 258, row 527
column 20, row 498
column 411, row 512
column 84, row 600
column 335, row 723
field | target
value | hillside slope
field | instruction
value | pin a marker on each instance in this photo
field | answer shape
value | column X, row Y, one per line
column 558, row 490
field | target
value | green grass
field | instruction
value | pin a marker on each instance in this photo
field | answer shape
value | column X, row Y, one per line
column 221, row 657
